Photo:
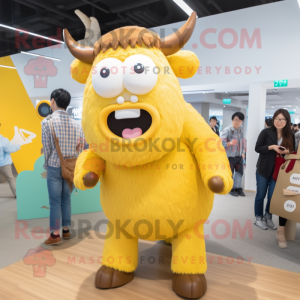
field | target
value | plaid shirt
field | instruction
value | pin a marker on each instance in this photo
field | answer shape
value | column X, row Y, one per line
column 69, row 134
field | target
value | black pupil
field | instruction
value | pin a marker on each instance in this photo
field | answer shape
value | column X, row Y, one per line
column 139, row 68
column 104, row 72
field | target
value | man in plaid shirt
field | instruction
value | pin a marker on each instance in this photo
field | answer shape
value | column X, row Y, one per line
column 71, row 143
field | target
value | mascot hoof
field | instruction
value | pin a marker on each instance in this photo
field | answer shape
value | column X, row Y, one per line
column 190, row 286
column 107, row 278
column 90, row 179
column 216, row 184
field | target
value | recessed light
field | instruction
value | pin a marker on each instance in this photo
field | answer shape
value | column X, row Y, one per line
column 40, row 55
column 9, row 67
column 224, row 106
column 184, row 7
column 31, row 33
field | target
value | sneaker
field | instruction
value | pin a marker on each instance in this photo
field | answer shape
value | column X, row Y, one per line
column 240, row 192
column 52, row 240
column 66, row 234
column 260, row 223
column 233, row 192
column 269, row 221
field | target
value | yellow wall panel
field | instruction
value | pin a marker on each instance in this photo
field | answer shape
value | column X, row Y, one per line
column 18, row 117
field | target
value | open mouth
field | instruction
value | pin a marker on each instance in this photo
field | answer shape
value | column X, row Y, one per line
column 129, row 123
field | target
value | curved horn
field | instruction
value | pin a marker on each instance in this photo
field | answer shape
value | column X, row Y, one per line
column 174, row 42
column 95, row 29
column 86, row 22
column 82, row 53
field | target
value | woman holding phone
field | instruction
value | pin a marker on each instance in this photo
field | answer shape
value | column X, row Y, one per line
column 279, row 138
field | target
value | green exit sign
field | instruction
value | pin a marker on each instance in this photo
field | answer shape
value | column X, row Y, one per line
column 280, row 83
column 226, row 101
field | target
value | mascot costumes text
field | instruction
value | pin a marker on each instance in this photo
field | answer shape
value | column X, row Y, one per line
column 158, row 161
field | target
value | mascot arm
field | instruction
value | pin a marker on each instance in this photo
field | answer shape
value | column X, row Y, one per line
column 89, row 167
column 207, row 148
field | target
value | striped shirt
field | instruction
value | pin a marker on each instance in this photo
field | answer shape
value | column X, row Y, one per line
column 69, row 134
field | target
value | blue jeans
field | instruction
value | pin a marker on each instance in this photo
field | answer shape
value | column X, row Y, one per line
column 59, row 199
column 263, row 184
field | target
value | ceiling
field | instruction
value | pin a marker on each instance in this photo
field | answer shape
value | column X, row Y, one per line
column 48, row 17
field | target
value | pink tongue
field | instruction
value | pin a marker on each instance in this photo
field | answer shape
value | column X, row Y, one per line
column 131, row 133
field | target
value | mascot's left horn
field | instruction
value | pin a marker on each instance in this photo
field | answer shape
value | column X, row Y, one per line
column 82, row 53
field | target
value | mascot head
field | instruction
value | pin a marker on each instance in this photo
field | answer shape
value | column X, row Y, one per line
column 133, row 108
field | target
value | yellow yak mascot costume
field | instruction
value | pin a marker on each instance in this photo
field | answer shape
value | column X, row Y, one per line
column 158, row 161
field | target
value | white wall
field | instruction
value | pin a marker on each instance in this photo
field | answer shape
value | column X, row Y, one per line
column 278, row 28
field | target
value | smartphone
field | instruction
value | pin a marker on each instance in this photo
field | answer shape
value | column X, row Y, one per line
column 281, row 148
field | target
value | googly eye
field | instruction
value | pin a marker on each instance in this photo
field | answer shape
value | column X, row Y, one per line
column 139, row 68
column 140, row 74
column 104, row 73
column 107, row 78
column 45, row 68
column 36, row 68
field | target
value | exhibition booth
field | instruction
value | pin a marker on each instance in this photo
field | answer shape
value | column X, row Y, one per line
column 235, row 53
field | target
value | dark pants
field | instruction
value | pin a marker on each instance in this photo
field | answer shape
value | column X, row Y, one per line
column 263, row 184
column 282, row 221
column 236, row 164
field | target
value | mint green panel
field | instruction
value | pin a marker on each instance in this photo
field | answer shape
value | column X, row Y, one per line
column 33, row 200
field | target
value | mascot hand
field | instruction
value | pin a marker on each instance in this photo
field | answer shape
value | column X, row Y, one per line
column 90, row 179
column 216, row 184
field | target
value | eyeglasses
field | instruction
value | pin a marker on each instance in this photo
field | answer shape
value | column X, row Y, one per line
column 280, row 120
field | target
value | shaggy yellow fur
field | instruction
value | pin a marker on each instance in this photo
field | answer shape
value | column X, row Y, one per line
column 80, row 71
column 162, row 193
column 184, row 63
column 87, row 162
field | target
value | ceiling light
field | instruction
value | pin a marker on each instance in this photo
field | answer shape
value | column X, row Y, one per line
column 9, row 67
column 31, row 33
column 184, row 7
column 226, row 92
column 40, row 55
column 294, row 109
column 224, row 106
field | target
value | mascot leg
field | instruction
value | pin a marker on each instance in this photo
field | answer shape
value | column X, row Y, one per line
column 120, row 259
column 189, row 263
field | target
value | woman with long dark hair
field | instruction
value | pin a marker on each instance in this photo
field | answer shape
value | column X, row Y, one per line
column 279, row 138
